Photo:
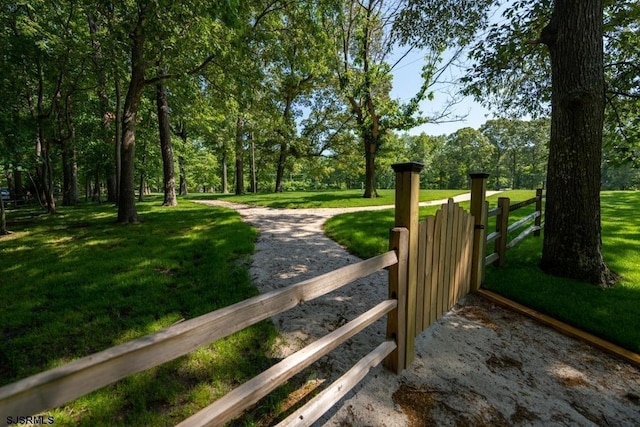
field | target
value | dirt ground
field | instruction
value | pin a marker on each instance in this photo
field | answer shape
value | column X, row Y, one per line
column 479, row 365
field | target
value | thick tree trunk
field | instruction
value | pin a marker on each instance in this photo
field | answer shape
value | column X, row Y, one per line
column 69, row 176
column 18, row 187
column 118, row 139
column 225, row 180
column 127, row 196
column 370, row 149
column 3, row 219
column 182, row 165
column 47, row 178
column 254, row 180
column 96, row 196
column 280, row 168
column 239, row 155
column 169, row 177
column 572, row 240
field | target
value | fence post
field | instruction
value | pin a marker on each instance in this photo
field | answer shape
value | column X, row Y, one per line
column 502, row 227
column 396, row 320
column 479, row 212
column 538, row 220
column 406, row 215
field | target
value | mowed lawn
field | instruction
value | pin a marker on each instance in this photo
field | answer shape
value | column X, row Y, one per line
column 321, row 199
column 76, row 283
column 613, row 314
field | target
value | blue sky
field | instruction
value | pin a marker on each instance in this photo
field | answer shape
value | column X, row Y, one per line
column 406, row 83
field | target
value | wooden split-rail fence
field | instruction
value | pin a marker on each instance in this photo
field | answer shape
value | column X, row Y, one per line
column 432, row 264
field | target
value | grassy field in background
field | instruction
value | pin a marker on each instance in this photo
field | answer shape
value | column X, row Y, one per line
column 76, row 283
column 320, row 199
column 613, row 314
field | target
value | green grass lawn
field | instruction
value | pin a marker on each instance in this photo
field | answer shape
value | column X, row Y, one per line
column 76, row 283
column 613, row 314
column 321, row 199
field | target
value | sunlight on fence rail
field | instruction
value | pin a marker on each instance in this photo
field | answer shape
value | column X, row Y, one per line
column 501, row 234
column 60, row 385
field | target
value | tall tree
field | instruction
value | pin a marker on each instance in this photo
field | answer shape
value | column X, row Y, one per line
column 294, row 49
column 511, row 70
column 367, row 33
column 572, row 240
column 186, row 36
column 164, row 128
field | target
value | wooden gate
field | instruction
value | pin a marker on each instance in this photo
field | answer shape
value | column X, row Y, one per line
column 445, row 244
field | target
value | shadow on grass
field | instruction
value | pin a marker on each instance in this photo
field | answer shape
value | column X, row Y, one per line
column 77, row 283
column 613, row 313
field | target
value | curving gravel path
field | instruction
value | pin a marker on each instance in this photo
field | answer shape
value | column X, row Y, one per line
column 479, row 364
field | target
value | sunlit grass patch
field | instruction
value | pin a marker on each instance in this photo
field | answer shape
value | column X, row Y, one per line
column 613, row 314
column 77, row 283
column 322, row 199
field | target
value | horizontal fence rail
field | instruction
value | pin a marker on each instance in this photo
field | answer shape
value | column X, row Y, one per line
column 249, row 393
column 315, row 408
column 60, row 385
column 501, row 233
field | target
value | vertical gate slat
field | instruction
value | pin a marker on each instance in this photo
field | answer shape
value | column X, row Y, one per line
column 455, row 260
column 469, row 250
column 448, row 258
column 455, row 248
column 441, row 215
column 430, row 225
column 464, row 237
column 421, row 285
column 444, row 264
column 462, row 217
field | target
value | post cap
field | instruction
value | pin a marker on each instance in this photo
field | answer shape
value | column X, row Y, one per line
column 484, row 175
column 408, row 167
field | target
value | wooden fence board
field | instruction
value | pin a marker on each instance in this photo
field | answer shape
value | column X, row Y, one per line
column 429, row 251
column 523, row 221
column 455, row 257
column 421, row 285
column 448, row 257
column 442, row 261
column 519, row 205
column 469, row 248
column 250, row 392
column 435, row 273
column 396, row 321
column 60, row 385
column 491, row 258
column 460, row 254
column 320, row 404
column 446, row 247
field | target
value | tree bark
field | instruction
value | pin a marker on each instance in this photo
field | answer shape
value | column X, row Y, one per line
column 182, row 165
column 69, row 176
column 169, row 177
column 280, row 167
column 127, row 198
column 370, row 149
column 572, row 240
column 225, row 180
column 3, row 219
column 239, row 155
